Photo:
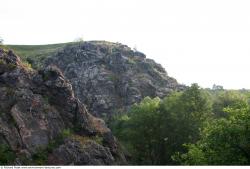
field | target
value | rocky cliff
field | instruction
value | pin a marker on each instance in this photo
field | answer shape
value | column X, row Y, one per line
column 42, row 122
column 110, row 77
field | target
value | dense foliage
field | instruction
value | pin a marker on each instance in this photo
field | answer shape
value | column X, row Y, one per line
column 223, row 141
column 6, row 154
column 194, row 127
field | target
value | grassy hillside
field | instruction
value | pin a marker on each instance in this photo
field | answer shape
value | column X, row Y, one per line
column 35, row 54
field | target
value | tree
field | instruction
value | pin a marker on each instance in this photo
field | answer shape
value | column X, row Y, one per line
column 1, row 41
column 228, row 99
column 135, row 48
column 217, row 87
column 225, row 141
column 79, row 39
column 137, row 130
column 187, row 114
column 155, row 129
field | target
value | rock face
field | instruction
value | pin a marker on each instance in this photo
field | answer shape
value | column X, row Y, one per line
column 110, row 77
column 42, row 122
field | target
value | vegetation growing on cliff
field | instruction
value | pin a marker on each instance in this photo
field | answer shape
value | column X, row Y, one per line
column 7, row 156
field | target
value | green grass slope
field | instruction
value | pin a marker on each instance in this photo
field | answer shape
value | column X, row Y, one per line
column 35, row 54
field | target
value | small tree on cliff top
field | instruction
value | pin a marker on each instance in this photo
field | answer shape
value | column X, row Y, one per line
column 1, row 41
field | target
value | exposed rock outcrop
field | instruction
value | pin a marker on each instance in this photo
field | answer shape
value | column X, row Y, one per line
column 42, row 122
column 110, row 77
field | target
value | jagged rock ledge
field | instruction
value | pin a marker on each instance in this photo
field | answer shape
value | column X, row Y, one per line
column 42, row 122
column 109, row 77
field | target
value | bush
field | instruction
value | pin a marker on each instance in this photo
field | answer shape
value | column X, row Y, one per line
column 27, row 65
column 7, row 156
column 41, row 156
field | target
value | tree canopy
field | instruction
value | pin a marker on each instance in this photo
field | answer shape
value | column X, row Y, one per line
column 193, row 127
column 224, row 141
column 155, row 129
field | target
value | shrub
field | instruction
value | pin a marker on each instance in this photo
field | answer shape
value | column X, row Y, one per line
column 27, row 65
column 11, row 66
column 41, row 157
column 7, row 156
column 66, row 133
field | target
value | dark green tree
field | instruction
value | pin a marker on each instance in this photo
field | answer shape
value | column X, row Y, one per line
column 228, row 99
column 224, row 141
column 137, row 130
column 184, row 117
column 7, row 156
column 1, row 41
column 155, row 129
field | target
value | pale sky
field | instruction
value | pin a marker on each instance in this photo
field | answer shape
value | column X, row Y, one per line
column 202, row 41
